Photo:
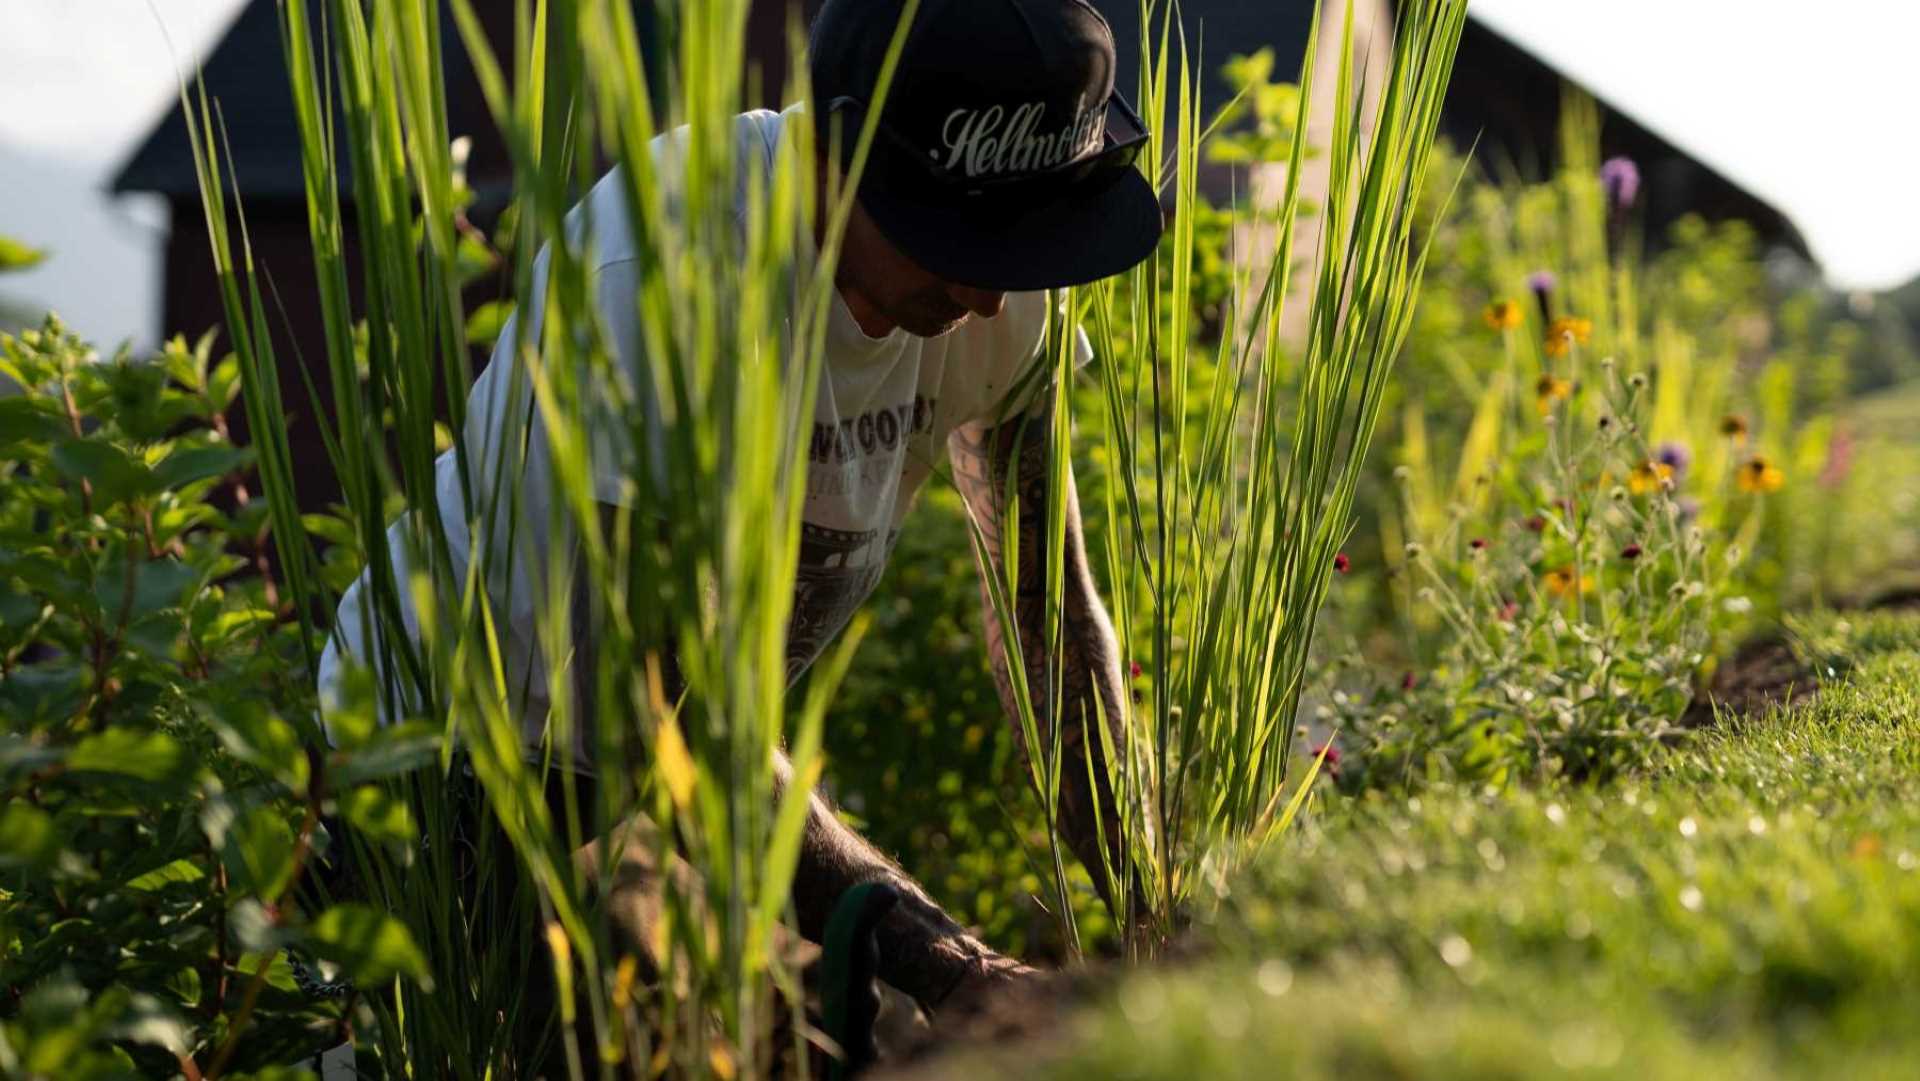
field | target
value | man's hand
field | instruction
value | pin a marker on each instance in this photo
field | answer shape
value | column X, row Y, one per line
column 993, row 977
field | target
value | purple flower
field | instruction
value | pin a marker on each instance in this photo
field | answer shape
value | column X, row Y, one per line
column 1688, row 507
column 1676, row 456
column 1620, row 177
column 1542, row 283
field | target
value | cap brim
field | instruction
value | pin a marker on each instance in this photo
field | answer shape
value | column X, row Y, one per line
column 1070, row 237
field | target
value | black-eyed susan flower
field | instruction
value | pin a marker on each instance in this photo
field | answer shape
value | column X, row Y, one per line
column 1757, row 475
column 1560, row 581
column 1566, row 332
column 1549, row 390
column 1734, row 426
column 1650, row 476
column 1503, row 315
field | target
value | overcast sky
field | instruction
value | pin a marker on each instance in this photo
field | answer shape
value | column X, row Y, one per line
column 1809, row 105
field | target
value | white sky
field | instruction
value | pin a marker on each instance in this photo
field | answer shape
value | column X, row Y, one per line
column 1809, row 105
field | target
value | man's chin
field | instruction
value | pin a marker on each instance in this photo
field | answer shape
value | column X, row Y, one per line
column 933, row 328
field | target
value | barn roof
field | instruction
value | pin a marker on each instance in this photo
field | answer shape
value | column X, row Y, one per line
column 246, row 77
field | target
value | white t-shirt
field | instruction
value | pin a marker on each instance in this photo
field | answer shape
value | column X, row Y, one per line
column 883, row 412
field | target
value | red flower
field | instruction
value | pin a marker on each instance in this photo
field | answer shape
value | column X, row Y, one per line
column 1477, row 543
column 1536, row 523
column 1341, row 563
column 1408, row 681
column 1508, row 611
column 1332, row 763
column 1135, row 669
column 1630, row 552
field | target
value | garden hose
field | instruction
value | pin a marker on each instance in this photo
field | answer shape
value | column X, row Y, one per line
column 849, row 966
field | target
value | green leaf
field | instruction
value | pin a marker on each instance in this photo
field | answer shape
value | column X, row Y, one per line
column 259, row 853
column 184, row 467
column 472, row 259
column 113, row 475
column 379, row 814
column 157, row 584
column 487, row 321
column 41, row 692
column 27, row 836
column 152, row 757
column 258, row 736
column 389, row 751
column 18, row 755
column 29, row 420
column 370, row 945
column 224, row 384
column 180, row 870
column 17, row 256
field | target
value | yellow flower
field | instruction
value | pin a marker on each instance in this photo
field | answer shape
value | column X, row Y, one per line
column 1733, row 426
column 1759, row 475
column 1650, row 477
column 1564, row 332
column 1504, row 315
column 1549, row 390
column 1560, row 581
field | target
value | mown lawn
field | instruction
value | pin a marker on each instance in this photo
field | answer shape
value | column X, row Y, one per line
column 1751, row 908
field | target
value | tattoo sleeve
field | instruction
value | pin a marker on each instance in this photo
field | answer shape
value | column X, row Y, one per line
column 1090, row 681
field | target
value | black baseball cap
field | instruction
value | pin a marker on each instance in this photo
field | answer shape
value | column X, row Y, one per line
column 1004, row 158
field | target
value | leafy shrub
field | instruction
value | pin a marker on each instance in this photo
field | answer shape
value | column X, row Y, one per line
column 1575, row 610
column 161, row 800
column 1606, row 469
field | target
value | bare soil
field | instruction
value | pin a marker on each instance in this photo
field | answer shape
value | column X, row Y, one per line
column 1762, row 673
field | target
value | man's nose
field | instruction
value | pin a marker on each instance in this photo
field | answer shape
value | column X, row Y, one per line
column 985, row 303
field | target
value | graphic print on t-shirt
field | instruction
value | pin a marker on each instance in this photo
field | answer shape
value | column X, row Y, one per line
column 837, row 569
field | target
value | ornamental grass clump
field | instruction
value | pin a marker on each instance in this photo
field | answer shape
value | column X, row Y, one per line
column 1230, row 478
column 732, row 316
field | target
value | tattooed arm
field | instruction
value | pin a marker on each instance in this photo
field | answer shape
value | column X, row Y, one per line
column 983, row 456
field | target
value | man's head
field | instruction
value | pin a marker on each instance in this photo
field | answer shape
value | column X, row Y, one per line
column 1003, row 158
column 885, row 288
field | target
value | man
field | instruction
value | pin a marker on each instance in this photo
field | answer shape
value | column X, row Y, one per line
column 1003, row 168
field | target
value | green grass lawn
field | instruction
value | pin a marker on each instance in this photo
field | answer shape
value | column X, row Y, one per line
column 1749, row 909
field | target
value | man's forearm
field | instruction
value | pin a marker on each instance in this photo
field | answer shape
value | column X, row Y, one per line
column 1087, row 667
column 1087, row 663
column 923, row 951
